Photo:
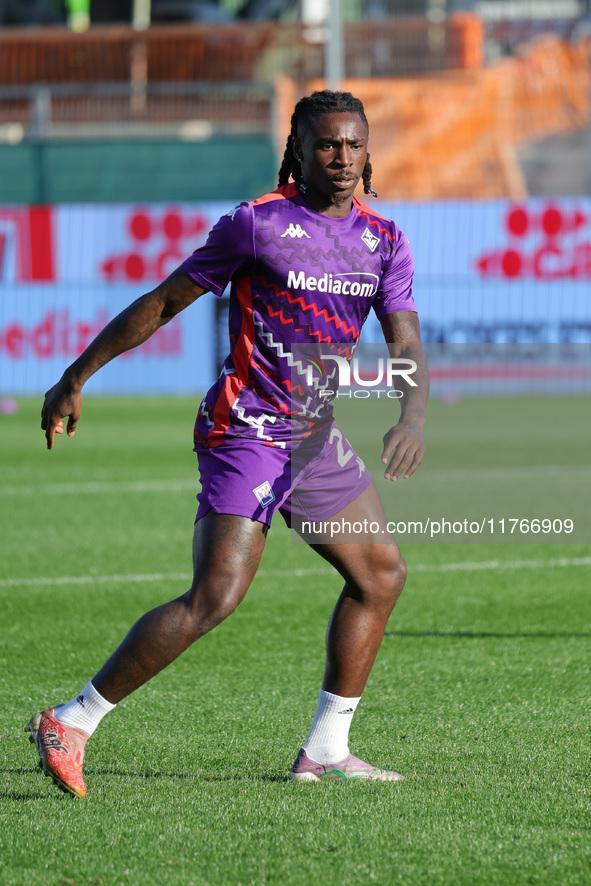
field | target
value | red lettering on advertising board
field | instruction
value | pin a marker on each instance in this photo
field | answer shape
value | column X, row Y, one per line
column 543, row 246
column 32, row 229
column 57, row 334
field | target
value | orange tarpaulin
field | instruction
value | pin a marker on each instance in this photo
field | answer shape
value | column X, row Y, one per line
column 454, row 134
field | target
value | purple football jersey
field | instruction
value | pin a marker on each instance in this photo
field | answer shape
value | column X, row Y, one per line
column 297, row 276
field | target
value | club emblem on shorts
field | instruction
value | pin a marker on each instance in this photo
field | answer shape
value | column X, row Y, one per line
column 264, row 493
column 370, row 241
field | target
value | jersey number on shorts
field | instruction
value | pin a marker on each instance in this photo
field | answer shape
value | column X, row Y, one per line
column 343, row 457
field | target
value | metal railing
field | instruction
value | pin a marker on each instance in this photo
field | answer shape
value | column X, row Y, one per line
column 189, row 111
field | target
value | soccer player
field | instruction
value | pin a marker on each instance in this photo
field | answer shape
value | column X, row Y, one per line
column 305, row 263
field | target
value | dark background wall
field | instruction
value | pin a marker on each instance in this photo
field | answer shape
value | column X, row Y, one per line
column 232, row 168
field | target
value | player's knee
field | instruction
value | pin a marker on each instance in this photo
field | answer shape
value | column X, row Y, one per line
column 210, row 603
column 390, row 576
column 397, row 576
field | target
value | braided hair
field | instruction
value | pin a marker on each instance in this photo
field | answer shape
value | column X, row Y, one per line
column 308, row 110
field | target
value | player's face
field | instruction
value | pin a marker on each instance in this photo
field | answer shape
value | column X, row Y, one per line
column 332, row 155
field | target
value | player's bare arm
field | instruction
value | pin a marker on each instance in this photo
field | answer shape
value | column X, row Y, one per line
column 127, row 330
column 404, row 444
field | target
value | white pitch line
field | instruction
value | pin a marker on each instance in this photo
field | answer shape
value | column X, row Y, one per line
column 531, row 472
column 481, row 565
column 469, row 566
column 100, row 488
column 180, row 485
column 139, row 579
column 95, row 579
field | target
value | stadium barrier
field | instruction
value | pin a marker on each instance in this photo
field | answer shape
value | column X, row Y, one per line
column 234, row 52
column 148, row 170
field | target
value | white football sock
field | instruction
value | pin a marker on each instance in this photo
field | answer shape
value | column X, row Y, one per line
column 328, row 739
column 85, row 711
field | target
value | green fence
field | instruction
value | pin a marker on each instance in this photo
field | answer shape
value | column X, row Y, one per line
column 222, row 168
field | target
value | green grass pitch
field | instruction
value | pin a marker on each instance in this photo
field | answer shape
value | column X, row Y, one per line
column 481, row 694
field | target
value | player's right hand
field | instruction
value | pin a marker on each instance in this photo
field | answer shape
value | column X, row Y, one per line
column 60, row 401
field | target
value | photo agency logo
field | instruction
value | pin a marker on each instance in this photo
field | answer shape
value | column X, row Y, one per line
column 323, row 373
column 364, row 375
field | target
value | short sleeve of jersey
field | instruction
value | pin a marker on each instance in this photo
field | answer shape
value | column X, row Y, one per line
column 395, row 289
column 228, row 248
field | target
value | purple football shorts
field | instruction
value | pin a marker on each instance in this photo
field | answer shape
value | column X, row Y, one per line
column 248, row 478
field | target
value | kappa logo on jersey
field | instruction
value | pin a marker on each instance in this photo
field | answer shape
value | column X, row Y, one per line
column 264, row 493
column 295, row 231
column 369, row 240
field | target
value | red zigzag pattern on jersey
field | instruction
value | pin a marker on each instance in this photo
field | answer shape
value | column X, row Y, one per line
column 340, row 324
column 272, row 401
column 372, row 220
column 280, row 381
column 286, row 320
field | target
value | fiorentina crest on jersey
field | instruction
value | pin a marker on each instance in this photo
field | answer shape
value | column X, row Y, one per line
column 370, row 240
column 295, row 231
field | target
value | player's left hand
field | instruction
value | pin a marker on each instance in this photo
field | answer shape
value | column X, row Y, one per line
column 404, row 446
